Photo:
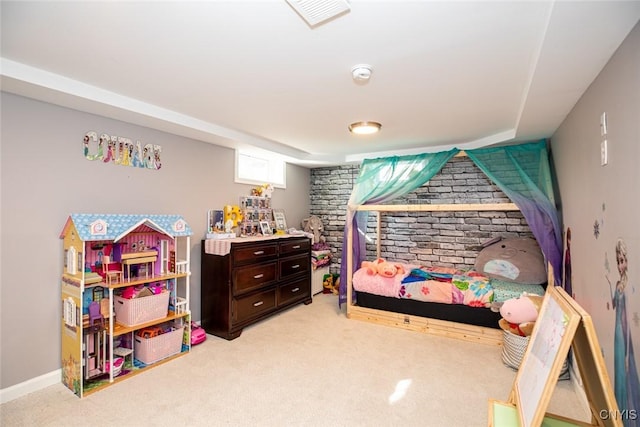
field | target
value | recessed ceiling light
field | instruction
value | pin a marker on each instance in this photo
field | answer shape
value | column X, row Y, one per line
column 364, row 128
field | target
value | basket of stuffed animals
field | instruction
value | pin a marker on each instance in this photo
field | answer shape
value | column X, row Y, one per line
column 517, row 322
column 518, row 318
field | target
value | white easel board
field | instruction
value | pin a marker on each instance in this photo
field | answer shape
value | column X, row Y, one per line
column 561, row 324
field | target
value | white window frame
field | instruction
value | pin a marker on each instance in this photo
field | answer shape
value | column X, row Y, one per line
column 274, row 171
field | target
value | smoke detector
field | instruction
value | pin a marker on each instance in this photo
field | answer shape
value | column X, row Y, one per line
column 361, row 72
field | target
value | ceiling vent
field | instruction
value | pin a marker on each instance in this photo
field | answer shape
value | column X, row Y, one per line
column 318, row 11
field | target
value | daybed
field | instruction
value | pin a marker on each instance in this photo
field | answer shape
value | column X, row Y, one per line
column 531, row 189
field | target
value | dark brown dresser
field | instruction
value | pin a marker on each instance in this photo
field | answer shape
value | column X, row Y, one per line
column 244, row 281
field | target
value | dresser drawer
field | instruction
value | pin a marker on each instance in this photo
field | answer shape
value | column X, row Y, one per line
column 297, row 246
column 291, row 266
column 253, row 305
column 254, row 253
column 254, row 276
column 295, row 290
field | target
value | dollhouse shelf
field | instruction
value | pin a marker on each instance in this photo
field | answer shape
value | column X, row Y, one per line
column 125, row 283
column 132, row 373
column 121, row 351
column 155, row 250
column 119, row 329
column 142, row 281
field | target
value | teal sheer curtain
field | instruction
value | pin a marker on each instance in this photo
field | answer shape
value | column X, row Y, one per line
column 523, row 173
column 383, row 179
column 379, row 181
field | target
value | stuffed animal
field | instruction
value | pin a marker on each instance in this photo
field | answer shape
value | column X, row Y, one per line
column 382, row 267
column 519, row 314
column 331, row 284
column 267, row 190
column 327, row 283
column 313, row 225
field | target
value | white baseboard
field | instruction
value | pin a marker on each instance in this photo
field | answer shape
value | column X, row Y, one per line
column 34, row 384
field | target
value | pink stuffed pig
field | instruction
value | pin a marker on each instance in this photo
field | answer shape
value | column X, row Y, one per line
column 520, row 314
column 382, row 267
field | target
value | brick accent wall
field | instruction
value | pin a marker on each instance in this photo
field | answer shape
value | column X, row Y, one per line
column 451, row 239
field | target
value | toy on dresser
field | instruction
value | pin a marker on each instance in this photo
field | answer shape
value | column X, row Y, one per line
column 221, row 223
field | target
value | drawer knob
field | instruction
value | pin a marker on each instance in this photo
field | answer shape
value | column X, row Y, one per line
column 258, row 253
column 295, row 290
column 258, row 276
column 295, row 266
column 296, row 247
column 258, row 304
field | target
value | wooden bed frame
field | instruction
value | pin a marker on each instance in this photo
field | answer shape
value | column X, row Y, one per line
column 417, row 323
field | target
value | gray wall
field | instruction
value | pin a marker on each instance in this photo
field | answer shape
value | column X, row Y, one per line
column 45, row 177
column 449, row 239
column 606, row 195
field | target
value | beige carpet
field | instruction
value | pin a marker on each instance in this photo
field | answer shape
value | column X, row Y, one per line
column 309, row 366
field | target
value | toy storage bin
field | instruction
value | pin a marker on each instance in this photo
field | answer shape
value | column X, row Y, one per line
column 150, row 350
column 134, row 311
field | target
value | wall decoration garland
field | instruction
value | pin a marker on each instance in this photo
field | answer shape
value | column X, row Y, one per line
column 121, row 151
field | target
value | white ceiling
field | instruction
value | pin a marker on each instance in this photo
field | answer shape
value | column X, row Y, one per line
column 254, row 74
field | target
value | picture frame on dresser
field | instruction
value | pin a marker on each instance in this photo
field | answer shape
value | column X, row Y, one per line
column 280, row 220
column 265, row 228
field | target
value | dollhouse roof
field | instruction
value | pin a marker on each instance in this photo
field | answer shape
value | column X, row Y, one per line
column 94, row 227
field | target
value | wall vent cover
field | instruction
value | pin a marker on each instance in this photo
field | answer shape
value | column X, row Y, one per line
column 318, row 11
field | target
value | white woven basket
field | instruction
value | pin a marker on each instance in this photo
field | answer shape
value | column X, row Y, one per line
column 151, row 350
column 513, row 349
column 135, row 311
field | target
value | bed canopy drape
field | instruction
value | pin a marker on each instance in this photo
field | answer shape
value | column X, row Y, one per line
column 522, row 172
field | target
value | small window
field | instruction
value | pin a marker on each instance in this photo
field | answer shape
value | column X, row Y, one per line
column 258, row 169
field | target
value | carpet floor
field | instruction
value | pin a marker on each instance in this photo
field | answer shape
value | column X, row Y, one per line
column 307, row 366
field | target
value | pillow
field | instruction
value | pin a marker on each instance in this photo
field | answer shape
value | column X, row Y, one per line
column 503, row 290
column 517, row 260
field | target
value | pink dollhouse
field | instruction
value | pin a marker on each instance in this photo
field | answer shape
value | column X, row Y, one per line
column 105, row 257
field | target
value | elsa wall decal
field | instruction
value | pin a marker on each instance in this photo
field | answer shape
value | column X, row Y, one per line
column 626, row 384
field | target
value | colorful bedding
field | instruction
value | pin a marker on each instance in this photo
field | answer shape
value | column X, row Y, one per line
column 429, row 284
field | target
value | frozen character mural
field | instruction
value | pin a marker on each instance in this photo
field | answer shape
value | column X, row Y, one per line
column 626, row 385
